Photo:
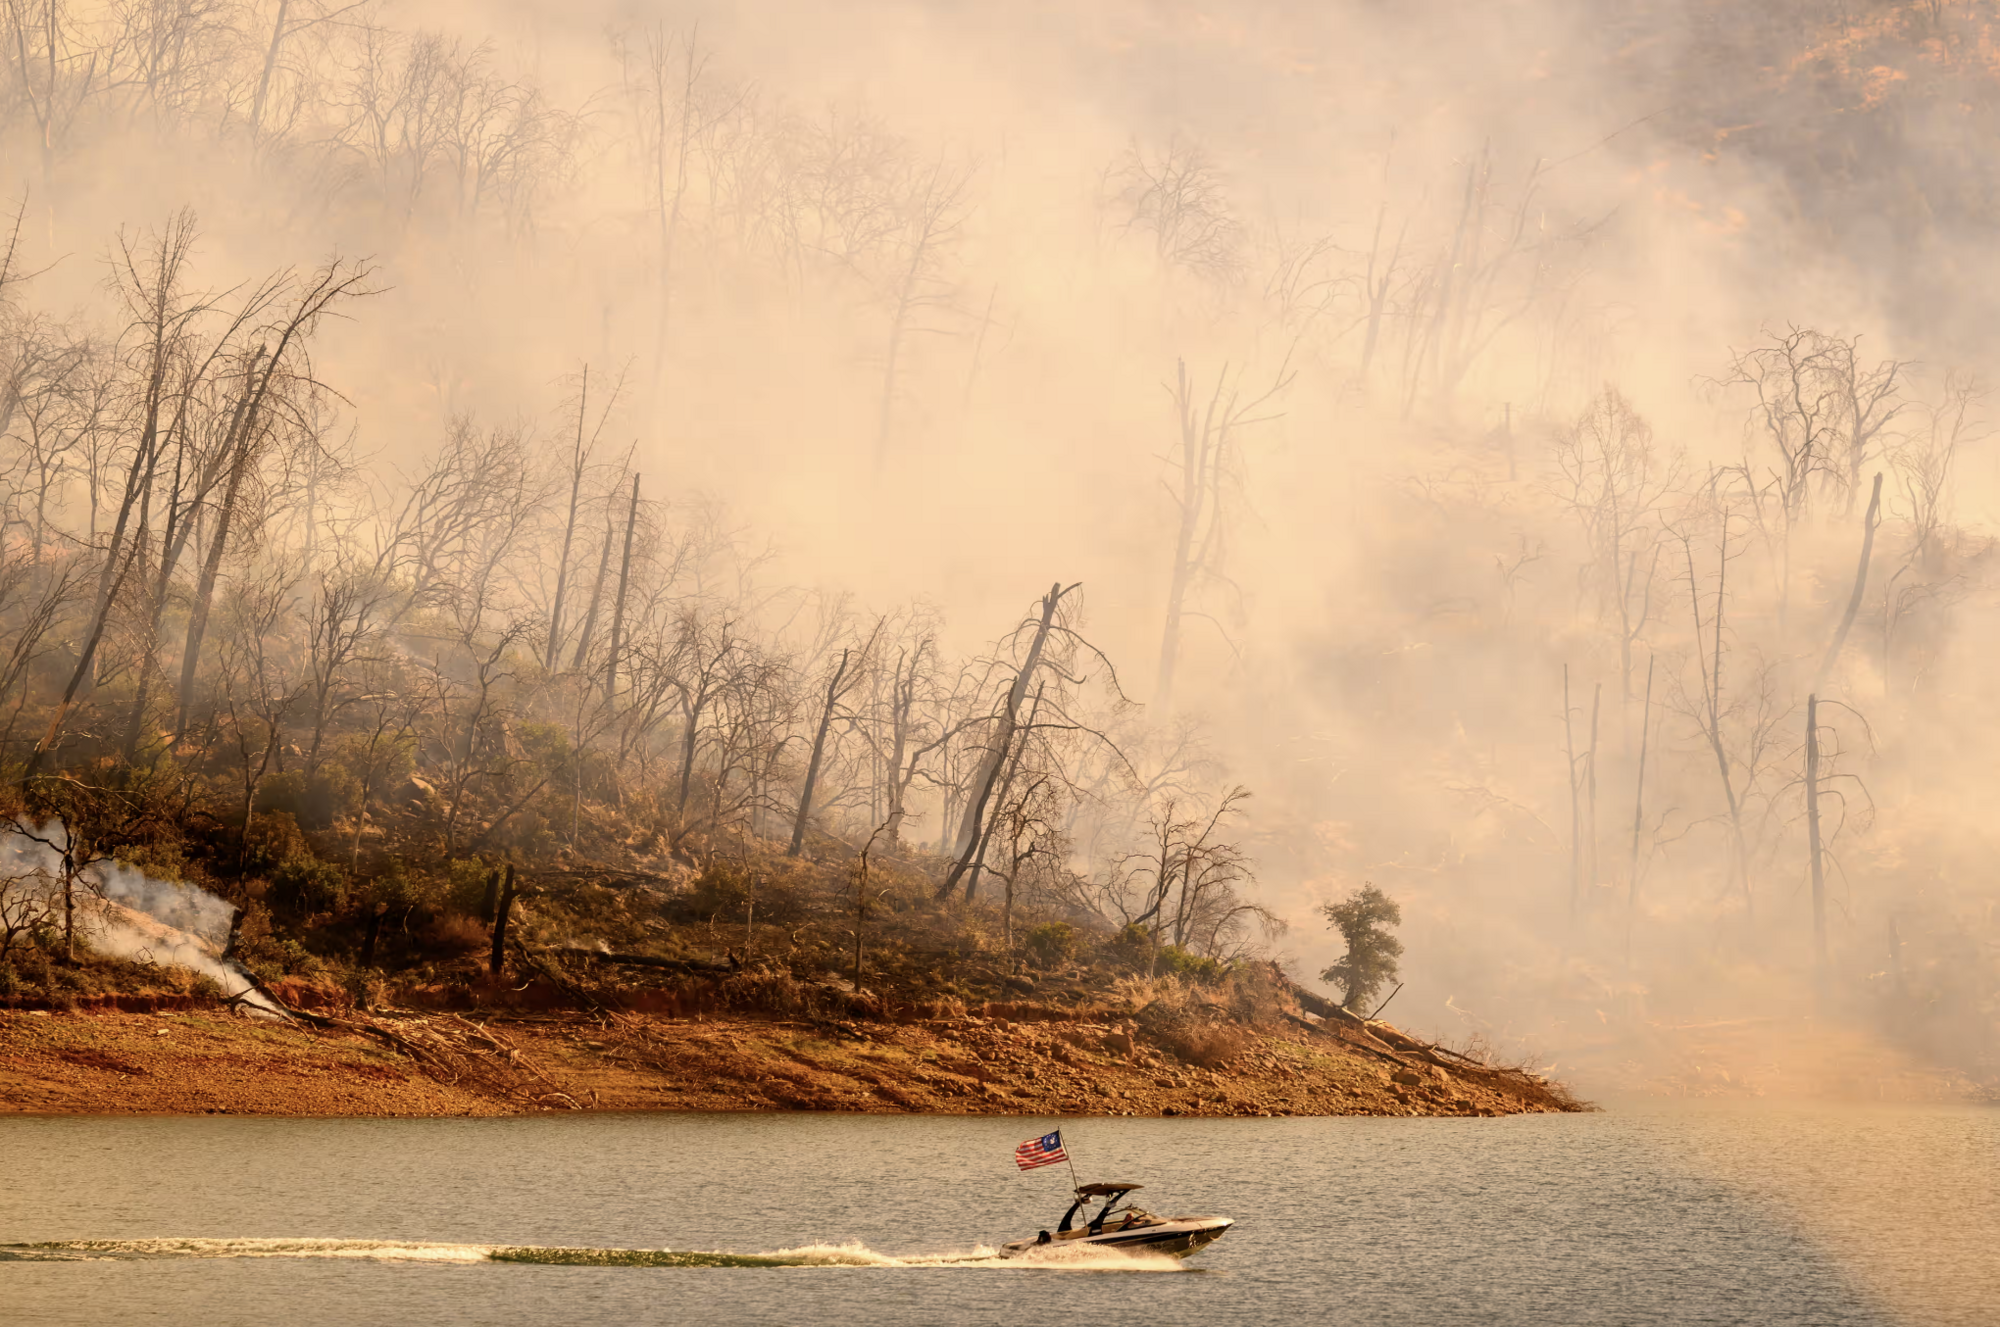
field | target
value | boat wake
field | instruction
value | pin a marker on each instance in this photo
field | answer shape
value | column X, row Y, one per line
column 409, row 1251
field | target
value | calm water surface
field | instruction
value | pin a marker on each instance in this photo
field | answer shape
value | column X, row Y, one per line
column 1647, row 1213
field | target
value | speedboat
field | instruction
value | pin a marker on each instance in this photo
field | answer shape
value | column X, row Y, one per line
column 1129, row 1228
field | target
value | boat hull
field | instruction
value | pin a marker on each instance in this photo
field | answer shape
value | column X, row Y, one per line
column 1176, row 1239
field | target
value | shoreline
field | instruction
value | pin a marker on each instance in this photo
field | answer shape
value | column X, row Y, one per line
column 424, row 1064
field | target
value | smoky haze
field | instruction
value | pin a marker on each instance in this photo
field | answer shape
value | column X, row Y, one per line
column 1520, row 351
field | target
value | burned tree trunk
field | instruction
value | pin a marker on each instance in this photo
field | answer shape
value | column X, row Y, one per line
column 489, row 907
column 596, row 593
column 618, row 603
column 1814, row 844
column 1591, row 874
column 1868, row 524
column 1575, row 810
column 1638, row 811
column 969, row 830
column 239, row 450
column 498, row 961
column 833, row 694
column 1006, row 786
column 577, row 459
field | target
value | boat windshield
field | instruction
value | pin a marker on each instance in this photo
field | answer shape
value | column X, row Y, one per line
column 1091, row 1193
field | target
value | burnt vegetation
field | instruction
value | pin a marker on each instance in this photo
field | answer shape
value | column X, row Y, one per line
column 1663, row 689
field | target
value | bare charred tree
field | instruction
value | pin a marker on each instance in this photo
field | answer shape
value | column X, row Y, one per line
column 579, row 466
column 1175, row 195
column 839, row 684
column 1006, row 722
column 675, row 109
column 163, row 314
column 1608, row 474
column 258, row 689
column 1739, row 724
column 1814, row 846
column 1208, row 467
column 1709, row 705
column 618, row 602
column 1821, row 415
column 286, row 343
column 1927, row 456
column 1869, row 521
column 933, row 212
column 289, row 20
column 1187, row 878
column 1638, row 811
column 1503, row 260
column 57, row 70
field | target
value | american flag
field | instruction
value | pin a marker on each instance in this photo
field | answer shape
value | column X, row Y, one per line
column 1044, row 1151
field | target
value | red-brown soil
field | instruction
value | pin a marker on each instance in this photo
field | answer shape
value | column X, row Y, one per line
column 209, row 1061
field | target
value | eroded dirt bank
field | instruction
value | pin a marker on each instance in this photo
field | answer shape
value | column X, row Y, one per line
column 209, row 1061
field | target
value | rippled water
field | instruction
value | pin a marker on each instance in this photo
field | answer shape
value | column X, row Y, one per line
column 1646, row 1214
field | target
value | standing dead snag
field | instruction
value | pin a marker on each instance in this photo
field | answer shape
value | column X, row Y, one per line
column 1590, row 797
column 932, row 216
column 163, row 313
column 902, row 710
column 1813, row 832
column 1582, row 797
column 1208, row 461
column 1575, row 810
column 505, row 912
column 861, row 871
column 1708, row 708
column 618, row 603
column 1638, row 812
column 970, row 838
column 578, row 467
column 1000, row 802
column 584, row 638
column 1608, row 473
column 1868, row 523
column 334, row 282
column 837, row 688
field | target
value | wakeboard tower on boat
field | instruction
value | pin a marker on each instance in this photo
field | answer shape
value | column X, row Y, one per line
column 1129, row 1228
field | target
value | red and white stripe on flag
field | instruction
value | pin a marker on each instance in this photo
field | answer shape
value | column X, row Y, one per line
column 1044, row 1151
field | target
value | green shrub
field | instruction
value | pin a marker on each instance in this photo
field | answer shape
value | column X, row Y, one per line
column 1052, row 944
column 1187, row 964
column 404, row 893
column 271, row 839
column 305, row 885
column 315, row 802
column 465, row 889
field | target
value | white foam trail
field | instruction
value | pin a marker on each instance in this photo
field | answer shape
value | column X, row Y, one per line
column 382, row 1250
column 853, row 1255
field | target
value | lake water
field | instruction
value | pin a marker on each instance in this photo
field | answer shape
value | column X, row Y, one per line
column 1648, row 1213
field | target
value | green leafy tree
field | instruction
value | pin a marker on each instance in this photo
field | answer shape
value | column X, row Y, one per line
column 1363, row 920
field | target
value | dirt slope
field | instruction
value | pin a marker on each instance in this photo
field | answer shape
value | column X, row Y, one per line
column 208, row 1061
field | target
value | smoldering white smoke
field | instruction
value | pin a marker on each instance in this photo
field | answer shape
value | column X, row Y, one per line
column 123, row 912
